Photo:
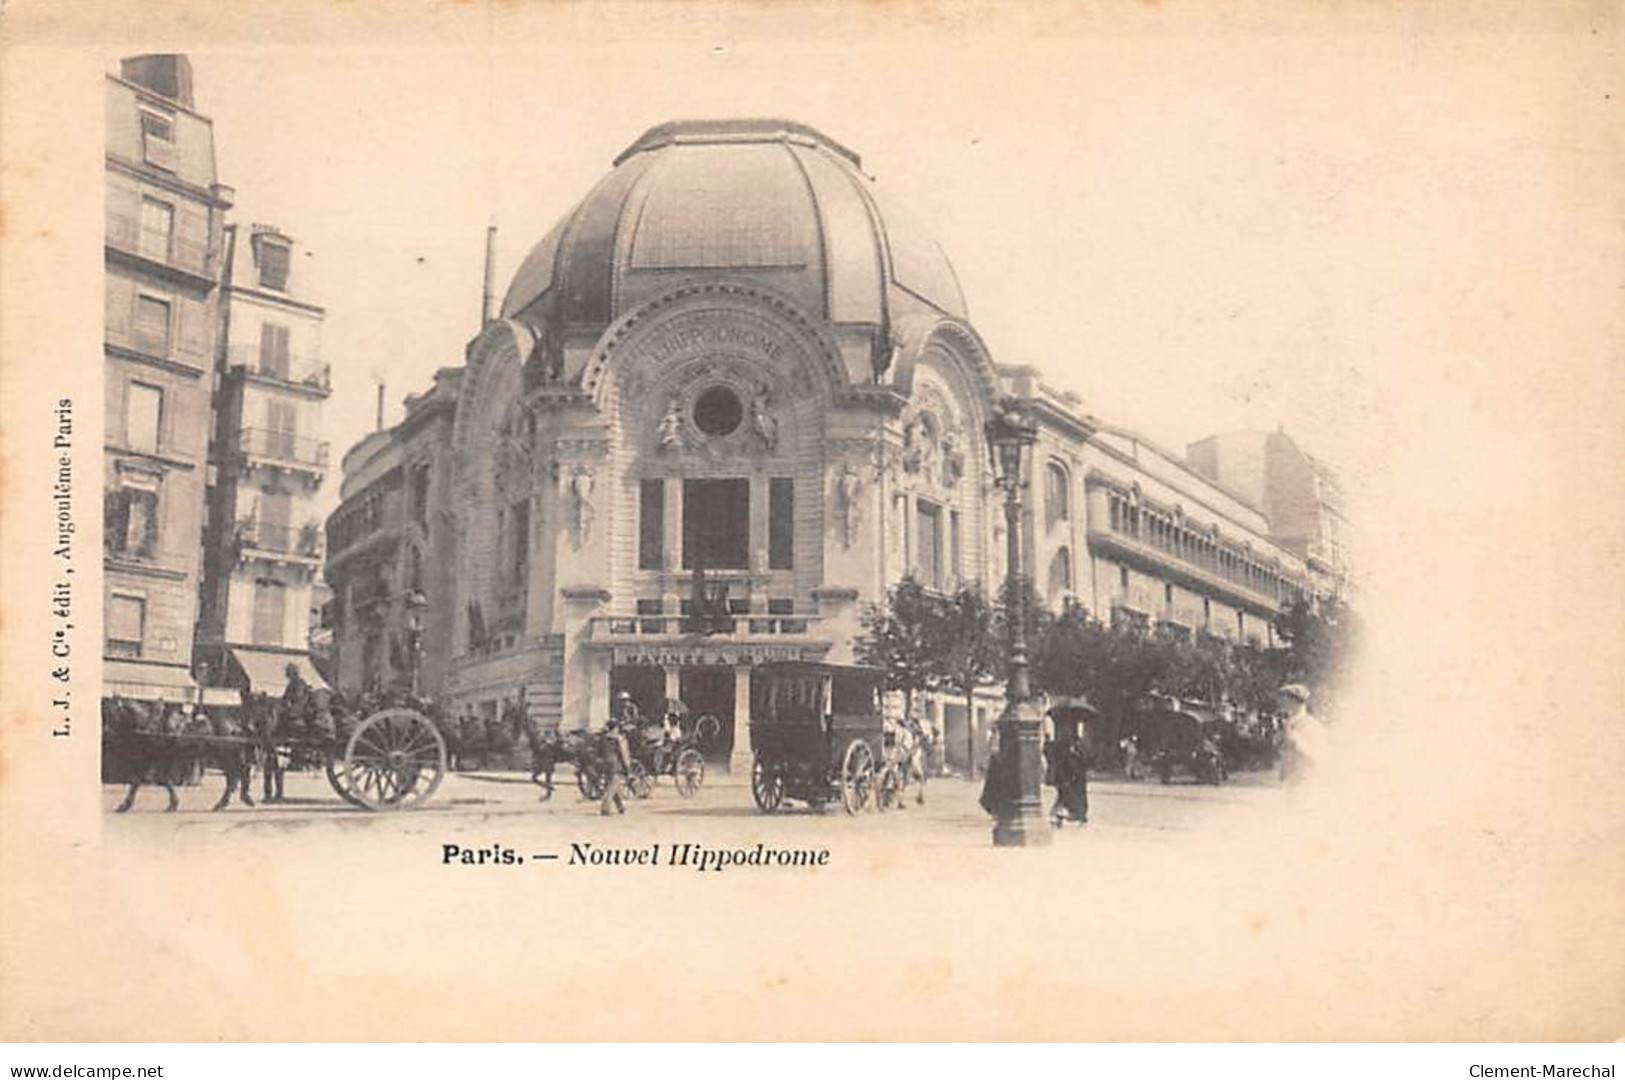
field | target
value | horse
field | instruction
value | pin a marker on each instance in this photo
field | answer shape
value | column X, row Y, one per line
column 141, row 747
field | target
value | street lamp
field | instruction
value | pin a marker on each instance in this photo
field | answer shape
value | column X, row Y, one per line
column 1017, row 771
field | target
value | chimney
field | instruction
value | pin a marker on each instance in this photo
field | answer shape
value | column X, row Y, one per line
column 167, row 74
column 490, row 273
column 380, row 426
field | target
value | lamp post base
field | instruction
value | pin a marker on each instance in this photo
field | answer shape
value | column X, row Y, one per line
column 1021, row 821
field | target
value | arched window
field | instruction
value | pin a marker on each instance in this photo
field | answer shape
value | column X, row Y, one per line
column 1060, row 575
column 1057, row 502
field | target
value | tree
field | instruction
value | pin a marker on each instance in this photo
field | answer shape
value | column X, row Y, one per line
column 967, row 654
column 903, row 638
column 1319, row 640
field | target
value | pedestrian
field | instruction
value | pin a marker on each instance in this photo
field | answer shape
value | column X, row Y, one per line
column 614, row 760
column 1304, row 736
column 1068, row 757
column 1130, row 745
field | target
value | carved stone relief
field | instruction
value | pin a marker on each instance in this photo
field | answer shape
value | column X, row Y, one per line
column 581, row 506
column 849, row 502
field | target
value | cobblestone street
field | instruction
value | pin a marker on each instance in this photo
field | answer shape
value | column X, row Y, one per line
column 721, row 811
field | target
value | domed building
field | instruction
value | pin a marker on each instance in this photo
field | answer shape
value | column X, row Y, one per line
column 730, row 383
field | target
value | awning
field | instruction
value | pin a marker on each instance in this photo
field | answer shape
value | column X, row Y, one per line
column 227, row 696
column 147, row 682
column 267, row 672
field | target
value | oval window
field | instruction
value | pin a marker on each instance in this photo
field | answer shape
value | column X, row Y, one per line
column 718, row 411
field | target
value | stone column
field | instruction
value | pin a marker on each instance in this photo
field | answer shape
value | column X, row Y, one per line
column 672, row 542
column 739, row 761
column 598, row 704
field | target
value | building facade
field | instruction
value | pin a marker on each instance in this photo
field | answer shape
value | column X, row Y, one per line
column 165, row 213
column 1300, row 495
column 734, row 378
column 263, row 539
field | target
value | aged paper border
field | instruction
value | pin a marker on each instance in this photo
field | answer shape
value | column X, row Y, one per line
column 1458, row 878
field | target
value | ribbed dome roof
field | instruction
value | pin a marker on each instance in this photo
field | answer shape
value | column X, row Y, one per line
column 768, row 201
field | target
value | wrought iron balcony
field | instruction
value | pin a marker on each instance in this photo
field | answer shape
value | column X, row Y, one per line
column 283, row 447
column 296, row 368
column 722, row 627
column 304, row 542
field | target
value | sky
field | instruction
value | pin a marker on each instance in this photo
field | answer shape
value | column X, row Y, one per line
column 1196, row 233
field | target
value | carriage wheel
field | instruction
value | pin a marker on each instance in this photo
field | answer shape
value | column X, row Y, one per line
column 766, row 787
column 637, row 780
column 888, row 787
column 590, row 783
column 395, row 759
column 857, row 776
column 338, row 777
column 689, row 772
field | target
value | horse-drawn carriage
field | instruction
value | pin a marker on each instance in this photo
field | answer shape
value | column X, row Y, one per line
column 389, row 757
column 673, row 746
column 819, row 735
column 1179, row 735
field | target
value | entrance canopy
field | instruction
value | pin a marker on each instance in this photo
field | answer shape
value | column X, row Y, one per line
column 266, row 672
column 147, row 682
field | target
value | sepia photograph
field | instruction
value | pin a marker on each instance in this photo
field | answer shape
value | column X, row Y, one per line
column 843, row 522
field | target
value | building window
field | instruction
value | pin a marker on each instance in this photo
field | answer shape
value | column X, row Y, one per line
column 1168, row 597
column 781, row 522
column 126, row 624
column 928, row 543
column 270, row 603
column 954, row 555
column 519, row 521
column 781, row 607
column 158, row 140
column 130, row 522
column 143, row 416
column 651, row 524
column 1122, row 577
column 274, row 350
column 1057, row 505
column 718, row 411
column 152, row 325
column 420, row 494
column 1060, row 574
column 282, row 426
column 1207, row 613
column 716, row 524
column 157, row 226
column 273, row 261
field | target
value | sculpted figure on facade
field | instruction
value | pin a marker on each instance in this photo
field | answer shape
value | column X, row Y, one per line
column 762, row 420
column 953, row 460
column 582, row 508
column 914, row 444
column 510, row 461
column 671, row 427
column 849, row 501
